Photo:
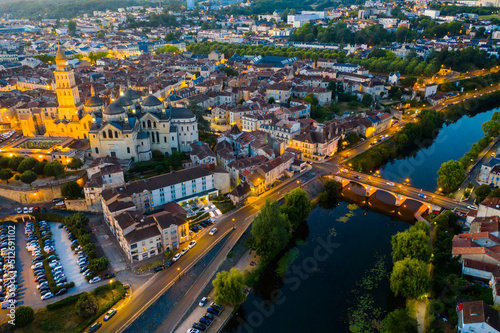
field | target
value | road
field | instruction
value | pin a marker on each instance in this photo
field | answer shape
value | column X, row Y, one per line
column 145, row 295
column 404, row 190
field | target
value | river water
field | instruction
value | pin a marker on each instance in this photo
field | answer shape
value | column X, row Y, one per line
column 452, row 142
column 318, row 293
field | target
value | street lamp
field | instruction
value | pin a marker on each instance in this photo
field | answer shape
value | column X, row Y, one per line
column 179, row 271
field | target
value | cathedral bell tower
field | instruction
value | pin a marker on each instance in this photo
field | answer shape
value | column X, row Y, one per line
column 66, row 88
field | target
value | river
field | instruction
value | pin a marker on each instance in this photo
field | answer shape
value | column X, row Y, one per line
column 318, row 297
column 452, row 142
column 323, row 293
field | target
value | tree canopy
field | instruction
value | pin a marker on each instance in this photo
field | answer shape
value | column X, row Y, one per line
column 411, row 243
column 296, row 207
column 86, row 306
column 409, row 278
column 450, row 175
column 229, row 286
column 71, row 190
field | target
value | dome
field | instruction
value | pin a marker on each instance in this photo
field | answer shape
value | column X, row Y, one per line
column 123, row 101
column 60, row 55
column 114, row 109
column 151, row 101
column 132, row 94
column 93, row 102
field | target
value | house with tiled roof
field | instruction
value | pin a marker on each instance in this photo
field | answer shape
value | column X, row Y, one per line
column 104, row 172
column 318, row 143
column 477, row 316
column 489, row 207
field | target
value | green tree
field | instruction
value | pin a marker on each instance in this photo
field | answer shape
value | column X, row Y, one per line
column 39, row 167
column 28, row 177
column 6, row 174
column 270, row 231
column 494, row 193
column 271, row 100
column 166, row 49
column 100, row 34
column 71, row 190
column 75, row 163
column 229, row 286
column 297, row 207
column 331, row 193
column 413, row 244
column 27, row 164
column 86, row 306
column 72, row 27
column 450, row 175
column 14, row 162
column 491, row 128
column 24, row 316
column 399, row 321
column 54, row 169
column 409, row 278
column 482, row 192
column 98, row 265
column 367, row 100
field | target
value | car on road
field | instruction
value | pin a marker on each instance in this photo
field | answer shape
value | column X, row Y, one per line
column 203, row 301
column 57, row 199
column 19, row 210
column 176, row 257
column 110, row 314
column 109, row 276
column 95, row 279
column 192, row 244
column 168, row 264
column 422, row 195
column 357, row 176
column 183, row 252
column 158, row 268
column 390, row 183
column 30, row 210
column 193, row 330
column 213, row 231
column 95, row 327
column 472, row 207
column 25, row 210
column 346, row 155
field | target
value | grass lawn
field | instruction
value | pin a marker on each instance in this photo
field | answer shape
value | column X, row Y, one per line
column 148, row 266
column 64, row 319
column 224, row 206
column 489, row 17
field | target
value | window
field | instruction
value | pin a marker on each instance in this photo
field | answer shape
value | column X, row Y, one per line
column 116, row 134
column 104, row 134
column 97, row 150
column 128, row 150
column 133, row 246
column 149, row 123
column 110, row 134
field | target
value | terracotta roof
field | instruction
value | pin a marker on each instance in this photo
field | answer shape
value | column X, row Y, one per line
column 480, row 312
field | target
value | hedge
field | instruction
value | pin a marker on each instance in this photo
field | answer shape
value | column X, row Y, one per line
column 64, row 302
column 52, row 217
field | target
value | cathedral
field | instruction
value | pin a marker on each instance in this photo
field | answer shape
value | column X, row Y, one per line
column 129, row 128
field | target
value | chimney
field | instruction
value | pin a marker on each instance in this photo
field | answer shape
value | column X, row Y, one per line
column 210, row 166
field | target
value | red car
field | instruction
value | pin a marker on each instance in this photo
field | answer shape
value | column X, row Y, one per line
column 346, row 155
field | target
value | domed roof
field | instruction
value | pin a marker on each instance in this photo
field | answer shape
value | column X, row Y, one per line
column 132, row 94
column 60, row 55
column 114, row 109
column 151, row 101
column 94, row 101
column 123, row 101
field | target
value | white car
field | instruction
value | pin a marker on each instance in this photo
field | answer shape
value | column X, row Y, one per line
column 213, row 231
column 30, row 210
column 176, row 257
column 25, row 210
column 192, row 244
column 390, row 184
column 109, row 314
column 19, row 210
column 47, row 296
column 472, row 207
column 203, row 301
column 183, row 252
column 95, row 279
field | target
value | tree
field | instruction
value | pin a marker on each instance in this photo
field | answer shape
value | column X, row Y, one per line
column 98, row 265
column 28, row 177
column 481, row 192
column 72, row 27
column 77, row 223
column 367, row 100
column 75, row 163
column 14, row 162
column 166, row 49
column 6, row 174
column 491, row 128
column 399, row 321
column 86, row 306
column 39, row 168
column 409, row 278
column 54, row 169
column 229, row 286
column 450, row 175
column 24, row 316
column 331, row 193
column 100, row 34
column 413, row 244
column 270, row 231
column 27, row 164
column 296, row 207
column 271, row 100
column 71, row 190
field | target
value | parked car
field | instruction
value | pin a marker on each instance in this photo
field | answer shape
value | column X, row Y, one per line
column 209, row 316
column 213, row 311
column 109, row 276
column 199, row 326
column 192, row 244
column 176, row 257
column 109, row 314
column 213, row 231
column 203, row 301
column 19, row 210
column 158, row 268
column 472, row 207
column 95, row 279
column 61, row 292
column 95, row 327
column 205, row 321
column 168, row 264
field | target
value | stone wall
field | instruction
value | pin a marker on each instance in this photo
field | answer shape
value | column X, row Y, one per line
column 80, row 205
